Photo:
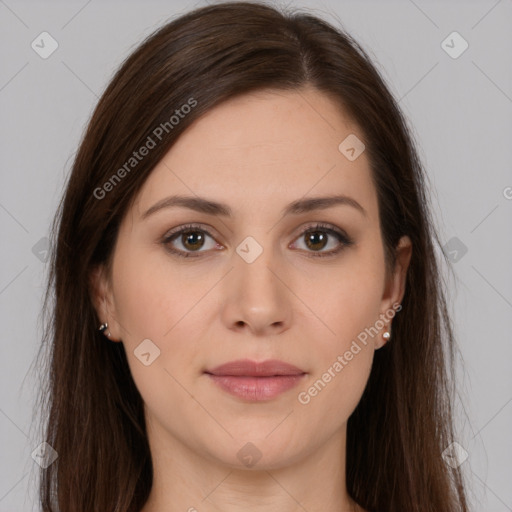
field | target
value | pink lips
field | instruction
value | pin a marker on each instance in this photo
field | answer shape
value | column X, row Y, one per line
column 255, row 381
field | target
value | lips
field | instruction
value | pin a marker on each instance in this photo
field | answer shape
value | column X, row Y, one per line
column 252, row 381
column 248, row 368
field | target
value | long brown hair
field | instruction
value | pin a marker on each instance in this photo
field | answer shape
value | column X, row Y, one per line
column 93, row 410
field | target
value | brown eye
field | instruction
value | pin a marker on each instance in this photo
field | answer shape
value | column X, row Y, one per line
column 318, row 237
column 189, row 240
column 316, row 240
column 192, row 240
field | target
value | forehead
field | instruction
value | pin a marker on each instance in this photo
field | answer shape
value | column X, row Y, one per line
column 264, row 147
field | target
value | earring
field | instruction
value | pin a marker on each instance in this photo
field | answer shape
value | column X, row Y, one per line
column 103, row 328
column 386, row 335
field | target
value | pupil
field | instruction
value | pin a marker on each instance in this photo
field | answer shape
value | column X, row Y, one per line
column 189, row 239
column 316, row 238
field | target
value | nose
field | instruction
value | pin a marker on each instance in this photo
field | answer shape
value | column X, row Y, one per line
column 256, row 296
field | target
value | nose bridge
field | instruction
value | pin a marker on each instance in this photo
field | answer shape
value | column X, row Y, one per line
column 253, row 263
column 256, row 296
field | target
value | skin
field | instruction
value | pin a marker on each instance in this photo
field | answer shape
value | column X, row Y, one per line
column 256, row 153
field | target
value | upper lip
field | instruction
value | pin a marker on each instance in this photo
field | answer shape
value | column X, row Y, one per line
column 249, row 368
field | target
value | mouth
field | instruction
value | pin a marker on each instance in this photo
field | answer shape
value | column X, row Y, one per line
column 253, row 381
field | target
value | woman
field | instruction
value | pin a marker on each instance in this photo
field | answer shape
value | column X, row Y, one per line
column 248, row 312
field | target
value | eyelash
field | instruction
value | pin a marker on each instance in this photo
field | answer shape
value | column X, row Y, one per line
column 327, row 228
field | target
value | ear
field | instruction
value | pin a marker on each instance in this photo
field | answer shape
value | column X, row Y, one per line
column 394, row 289
column 100, row 289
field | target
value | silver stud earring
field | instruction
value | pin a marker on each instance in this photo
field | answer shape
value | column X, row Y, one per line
column 103, row 328
column 386, row 335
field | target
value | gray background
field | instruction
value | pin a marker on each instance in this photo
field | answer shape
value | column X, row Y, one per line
column 461, row 113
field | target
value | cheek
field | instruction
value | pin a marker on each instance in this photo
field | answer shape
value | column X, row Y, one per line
column 351, row 300
column 349, row 307
column 344, row 355
column 141, row 309
column 330, row 397
column 151, row 295
column 155, row 304
column 157, row 301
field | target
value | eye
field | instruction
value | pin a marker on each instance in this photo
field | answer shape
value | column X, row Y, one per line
column 192, row 239
column 319, row 236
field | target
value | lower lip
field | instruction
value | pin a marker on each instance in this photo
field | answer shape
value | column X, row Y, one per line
column 256, row 389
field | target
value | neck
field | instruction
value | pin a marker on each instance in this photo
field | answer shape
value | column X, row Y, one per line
column 186, row 480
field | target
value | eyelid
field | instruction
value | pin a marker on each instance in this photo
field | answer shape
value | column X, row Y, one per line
column 344, row 239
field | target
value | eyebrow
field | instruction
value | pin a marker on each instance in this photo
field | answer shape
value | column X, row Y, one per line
column 202, row 205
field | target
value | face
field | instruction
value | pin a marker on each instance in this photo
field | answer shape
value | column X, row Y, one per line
column 268, row 281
